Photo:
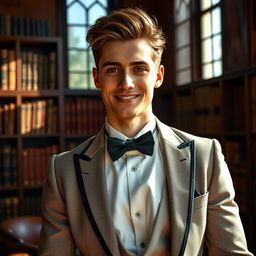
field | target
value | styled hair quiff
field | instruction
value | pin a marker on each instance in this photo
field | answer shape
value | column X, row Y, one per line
column 126, row 24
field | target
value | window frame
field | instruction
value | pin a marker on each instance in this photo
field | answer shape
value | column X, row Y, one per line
column 63, row 32
column 195, row 39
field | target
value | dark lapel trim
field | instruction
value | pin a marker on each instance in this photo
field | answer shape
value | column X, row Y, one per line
column 183, row 145
column 86, row 202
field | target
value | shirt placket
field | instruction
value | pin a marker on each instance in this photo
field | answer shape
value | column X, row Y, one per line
column 137, row 196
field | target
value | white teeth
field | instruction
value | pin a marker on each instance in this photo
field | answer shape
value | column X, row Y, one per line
column 126, row 97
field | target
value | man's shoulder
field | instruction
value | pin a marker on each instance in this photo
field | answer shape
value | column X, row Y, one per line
column 182, row 135
column 190, row 137
column 79, row 149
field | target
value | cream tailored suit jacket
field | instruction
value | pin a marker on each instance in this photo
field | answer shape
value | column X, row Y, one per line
column 75, row 207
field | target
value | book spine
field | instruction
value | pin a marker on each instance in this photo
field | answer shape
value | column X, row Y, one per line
column 24, row 71
column 4, row 68
column 52, row 70
column 30, row 71
column 12, row 70
column 25, row 167
column 8, row 28
column 7, row 166
column 11, row 119
column 35, row 75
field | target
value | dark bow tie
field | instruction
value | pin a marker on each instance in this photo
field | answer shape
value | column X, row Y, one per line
column 117, row 147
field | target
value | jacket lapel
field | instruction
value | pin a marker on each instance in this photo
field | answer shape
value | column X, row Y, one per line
column 179, row 161
column 92, row 184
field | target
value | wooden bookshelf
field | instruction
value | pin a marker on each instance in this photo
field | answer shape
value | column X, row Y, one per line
column 40, row 122
column 19, row 195
column 234, row 116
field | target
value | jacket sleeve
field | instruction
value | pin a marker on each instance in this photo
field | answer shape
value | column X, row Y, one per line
column 56, row 238
column 224, row 232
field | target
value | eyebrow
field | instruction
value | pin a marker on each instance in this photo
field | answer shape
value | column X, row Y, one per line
column 113, row 63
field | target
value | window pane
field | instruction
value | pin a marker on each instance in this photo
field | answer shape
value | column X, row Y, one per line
column 68, row 2
column 206, row 25
column 207, row 71
column 96, row 12
column 80, row 81
column 104, row 3
column 205, row 4
column 216, row 22
column 91, row 83
column 206, row 50
column 215, row 2
column 77, row 60
column 217, row 47
column 87, row 3
column 183, row 58
column 91, row 59
column 76, row 37
column 182, row 35
column 76, row 14
column 182, row 10
column 183, row 77
column 217, row 68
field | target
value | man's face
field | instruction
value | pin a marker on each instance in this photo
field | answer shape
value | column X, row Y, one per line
column 127, row 76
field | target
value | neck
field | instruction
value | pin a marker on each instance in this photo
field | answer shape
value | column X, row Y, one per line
column 129, row 127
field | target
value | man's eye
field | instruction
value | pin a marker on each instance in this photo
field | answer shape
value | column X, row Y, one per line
column 113, row 70
column 140, row 69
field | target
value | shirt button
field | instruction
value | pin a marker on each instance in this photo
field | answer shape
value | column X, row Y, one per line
column 138, row 214
column 133, row 169
column 142, row 245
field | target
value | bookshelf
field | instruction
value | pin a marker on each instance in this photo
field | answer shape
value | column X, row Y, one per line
column 31, row 118
column 224, row 108
column 38, row 118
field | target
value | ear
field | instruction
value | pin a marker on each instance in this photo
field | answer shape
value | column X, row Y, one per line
column 160, row 76
column 95, row 74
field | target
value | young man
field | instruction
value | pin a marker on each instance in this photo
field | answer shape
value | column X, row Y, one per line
column 138, row 187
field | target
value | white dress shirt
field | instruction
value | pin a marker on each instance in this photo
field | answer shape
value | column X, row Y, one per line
column 135, row 184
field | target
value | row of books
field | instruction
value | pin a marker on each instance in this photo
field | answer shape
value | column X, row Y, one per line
column 23, row 26
column 253, row 100
column 8, row 165
column 234, row 108
column 9, row 207
column 83, row 116
column 38, row 70
column 241, row 185
column 35, row 163
column 39, row 117
column 184, row 112
column 207, row 110
column 7, row 69
column 7, row 118
column 32, row 205
column 200, row 113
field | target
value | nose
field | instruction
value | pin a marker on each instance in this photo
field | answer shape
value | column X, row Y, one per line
column 126, row 81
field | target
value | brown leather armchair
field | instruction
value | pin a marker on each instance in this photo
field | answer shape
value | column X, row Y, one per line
column 21, row 234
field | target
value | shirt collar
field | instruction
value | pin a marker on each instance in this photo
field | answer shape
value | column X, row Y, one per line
column 150, row 126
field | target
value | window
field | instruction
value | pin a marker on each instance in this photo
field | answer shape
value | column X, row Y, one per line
column 81, row 14
column 211, row 50
column 182, row 41
column 198, row 31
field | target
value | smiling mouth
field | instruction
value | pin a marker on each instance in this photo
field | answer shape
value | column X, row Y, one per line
column 128, row 97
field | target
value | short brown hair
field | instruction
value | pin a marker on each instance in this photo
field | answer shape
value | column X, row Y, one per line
column 126, row 24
